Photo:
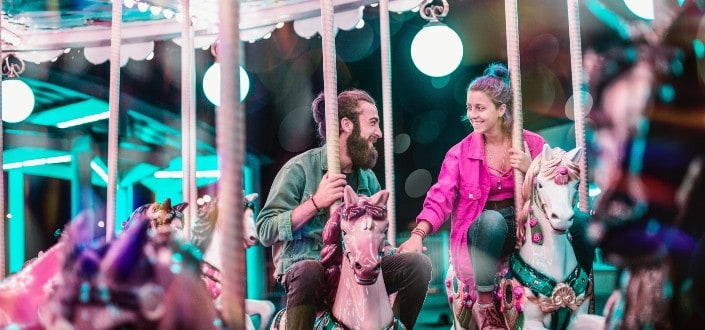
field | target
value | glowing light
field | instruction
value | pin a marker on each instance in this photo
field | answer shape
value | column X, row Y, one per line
column 699, row 48
column 83, row 120
column 436, row 50
column 179, row 174
column 99, row 170
column 211, row 84
column 37, row 162
column 142, row 6
column 17, row 100
column 641, row 8
column 360, row 24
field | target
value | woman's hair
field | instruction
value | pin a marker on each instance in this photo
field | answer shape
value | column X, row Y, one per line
column 495, row 84
column 347, row 103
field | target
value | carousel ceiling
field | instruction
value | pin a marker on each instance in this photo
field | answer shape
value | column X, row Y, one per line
column 42, row 31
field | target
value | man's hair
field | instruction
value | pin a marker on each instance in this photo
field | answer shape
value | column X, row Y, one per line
column 348, row 101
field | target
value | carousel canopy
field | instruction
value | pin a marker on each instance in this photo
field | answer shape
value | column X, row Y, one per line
column 69, row 107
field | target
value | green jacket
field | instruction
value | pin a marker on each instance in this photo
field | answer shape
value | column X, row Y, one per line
column 297, row 180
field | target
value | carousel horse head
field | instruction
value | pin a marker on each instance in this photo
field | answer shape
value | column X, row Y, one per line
column 163, row 218
column 354, row 237
column 549, row 193
column 206, row 226
column 133, row 281
column 363, row 226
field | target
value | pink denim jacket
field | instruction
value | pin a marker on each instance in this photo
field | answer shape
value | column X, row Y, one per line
column 460, row 194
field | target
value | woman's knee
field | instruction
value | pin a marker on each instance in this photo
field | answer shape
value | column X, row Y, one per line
column 491, row 223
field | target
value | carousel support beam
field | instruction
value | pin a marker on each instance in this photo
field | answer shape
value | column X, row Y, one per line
column 16, row 224
column 255, row 255
column 82, row 196
column 124, row 206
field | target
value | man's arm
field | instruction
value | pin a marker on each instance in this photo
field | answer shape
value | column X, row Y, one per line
column 274, row 222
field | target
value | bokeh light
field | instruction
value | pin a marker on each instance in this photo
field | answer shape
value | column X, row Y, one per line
column 17, row 100
column 641, row 8
column 211, row 84
column 417, row 183
column 436, row 50
column 401, row 143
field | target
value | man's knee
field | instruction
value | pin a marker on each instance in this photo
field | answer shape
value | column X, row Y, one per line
column 421, row 266
column 306, row 274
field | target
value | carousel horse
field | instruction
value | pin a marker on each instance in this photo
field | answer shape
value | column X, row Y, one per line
column 24, row 291
column 135, row 281
column 21, row 294
column 542, row 285
column 354, row 238
column 207, row 235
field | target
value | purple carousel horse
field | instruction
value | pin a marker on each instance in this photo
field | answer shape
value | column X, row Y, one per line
column 138, row 280
column 354, row 239
column 124, row 283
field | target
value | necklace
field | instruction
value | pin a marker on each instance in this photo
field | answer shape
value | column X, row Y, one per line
column 500, row 171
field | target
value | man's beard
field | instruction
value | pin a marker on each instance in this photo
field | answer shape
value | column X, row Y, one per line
column 362, row 154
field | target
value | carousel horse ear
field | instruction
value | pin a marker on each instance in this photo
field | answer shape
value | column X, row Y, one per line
column 380, row 198
column 125, row 251
column 349, row 196
column 180, row 207
column 546, row 152
column 575, row 154
column 166, row 206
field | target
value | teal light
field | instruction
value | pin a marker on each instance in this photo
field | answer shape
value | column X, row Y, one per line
column 16, row 224
column 699, row 49
column 667, row 93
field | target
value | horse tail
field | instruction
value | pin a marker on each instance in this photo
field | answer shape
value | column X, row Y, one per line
column 331, row 258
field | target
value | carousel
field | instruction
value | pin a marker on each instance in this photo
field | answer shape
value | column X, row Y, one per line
column 158, row 180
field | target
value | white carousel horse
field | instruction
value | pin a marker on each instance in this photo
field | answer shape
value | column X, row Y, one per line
column 544, row 277
column 360, row 297
column 208, row 237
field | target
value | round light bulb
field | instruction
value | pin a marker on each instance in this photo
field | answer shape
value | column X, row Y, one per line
column 17, row 100
column 641, row 8
column 211, row 84
column 436, row 50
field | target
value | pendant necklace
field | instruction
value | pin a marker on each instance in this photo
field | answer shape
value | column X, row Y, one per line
column 500, row 172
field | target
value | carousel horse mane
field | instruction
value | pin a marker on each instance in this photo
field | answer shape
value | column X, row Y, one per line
column 135, row 281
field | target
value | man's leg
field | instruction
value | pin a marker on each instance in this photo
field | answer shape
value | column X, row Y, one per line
column 408, row 274
column 303, row 283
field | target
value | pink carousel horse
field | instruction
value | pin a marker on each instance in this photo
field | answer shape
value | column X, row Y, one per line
column 24, row 291
column 543, row 278
column 207, row 235
column 359, row 298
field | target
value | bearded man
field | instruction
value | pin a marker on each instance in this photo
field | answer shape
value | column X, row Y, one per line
column 296, row 210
